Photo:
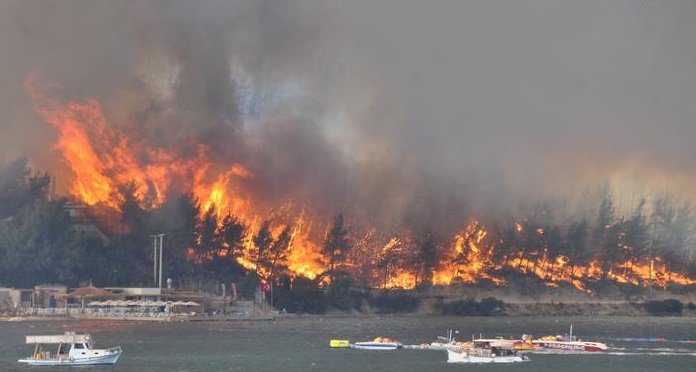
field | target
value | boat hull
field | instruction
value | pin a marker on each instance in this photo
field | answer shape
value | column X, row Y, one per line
column 106, row 359
column 463, row 357
column 376, row 345
column 571, row 346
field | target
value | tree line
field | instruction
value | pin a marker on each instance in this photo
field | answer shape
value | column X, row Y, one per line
column 661, row 235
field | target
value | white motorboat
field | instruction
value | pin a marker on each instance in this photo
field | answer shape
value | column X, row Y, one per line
column 379, row 343
column 70, row 349
column 486, row 351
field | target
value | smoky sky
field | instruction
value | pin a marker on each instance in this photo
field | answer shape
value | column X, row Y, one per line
column 395, row 112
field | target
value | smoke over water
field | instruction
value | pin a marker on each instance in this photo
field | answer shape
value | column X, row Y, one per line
column 397, row 114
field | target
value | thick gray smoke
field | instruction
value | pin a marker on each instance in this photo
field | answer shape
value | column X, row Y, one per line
column 393, row 112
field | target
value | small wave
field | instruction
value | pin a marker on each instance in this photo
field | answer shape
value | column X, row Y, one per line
column 624, row 351
column 647, row 353
column 666, row 350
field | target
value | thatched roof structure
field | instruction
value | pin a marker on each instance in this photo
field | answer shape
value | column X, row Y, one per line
column 90, row 291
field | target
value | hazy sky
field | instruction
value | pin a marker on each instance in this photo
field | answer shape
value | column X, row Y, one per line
column 393, row 108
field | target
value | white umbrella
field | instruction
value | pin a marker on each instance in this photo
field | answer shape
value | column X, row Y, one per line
column 151, row 303
column 95, row 303
column 191, row 303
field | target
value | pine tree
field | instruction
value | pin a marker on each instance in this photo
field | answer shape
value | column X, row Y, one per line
column 336, row 246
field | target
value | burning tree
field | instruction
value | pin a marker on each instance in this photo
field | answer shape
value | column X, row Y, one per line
column 270, row 254
column 390, row 258
column 425, row 260
column 336, row 246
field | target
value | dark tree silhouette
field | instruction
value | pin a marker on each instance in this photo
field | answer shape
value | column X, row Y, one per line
column 425, row 260
column 336, row 246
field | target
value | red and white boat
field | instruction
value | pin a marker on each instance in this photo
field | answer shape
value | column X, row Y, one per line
column 572, row 346
column 567, row 343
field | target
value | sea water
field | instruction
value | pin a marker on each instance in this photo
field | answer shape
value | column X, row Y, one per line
column 302, row 343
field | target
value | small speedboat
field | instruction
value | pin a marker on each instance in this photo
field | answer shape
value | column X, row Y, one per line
column 379, row 343
column 69, row 349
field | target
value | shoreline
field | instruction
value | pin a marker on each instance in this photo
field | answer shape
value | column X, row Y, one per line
column 512, row 309
column 172, row 319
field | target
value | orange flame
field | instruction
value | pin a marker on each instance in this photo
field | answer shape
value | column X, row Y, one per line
column 471, row 262
column 103, row 159
column 305, row 258
column 220, row 194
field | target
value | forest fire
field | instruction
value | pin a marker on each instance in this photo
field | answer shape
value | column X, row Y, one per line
column 471, row 259
column 104, row 160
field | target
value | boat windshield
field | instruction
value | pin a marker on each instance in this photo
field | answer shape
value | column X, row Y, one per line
column 503, row 352
column 63, row 349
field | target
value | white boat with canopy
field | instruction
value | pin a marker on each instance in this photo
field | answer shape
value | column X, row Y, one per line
column 69, row 349
column 486, row 351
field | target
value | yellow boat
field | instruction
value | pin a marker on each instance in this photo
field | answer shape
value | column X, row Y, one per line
column 339, row 343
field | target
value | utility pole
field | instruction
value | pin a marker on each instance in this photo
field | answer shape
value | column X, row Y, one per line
column 154, row 259
column 161, row 241
column 158, row 240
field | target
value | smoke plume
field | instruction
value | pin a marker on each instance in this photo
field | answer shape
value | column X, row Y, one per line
column 396, row 113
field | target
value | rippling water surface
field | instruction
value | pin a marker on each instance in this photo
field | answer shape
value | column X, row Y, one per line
column 301, row 344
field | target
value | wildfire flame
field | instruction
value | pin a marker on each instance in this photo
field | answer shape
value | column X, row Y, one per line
column 220, row 195
column 104, row 159
column 471, row 262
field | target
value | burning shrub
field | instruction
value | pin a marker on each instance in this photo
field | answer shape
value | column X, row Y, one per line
column 669, row 307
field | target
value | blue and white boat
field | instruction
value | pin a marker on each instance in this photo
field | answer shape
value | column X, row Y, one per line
column 379, row 343
column 68, row 349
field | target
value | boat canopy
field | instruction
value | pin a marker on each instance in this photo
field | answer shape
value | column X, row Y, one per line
column 494, row 342
column 142, row 303
column 67, row 338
